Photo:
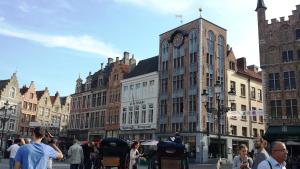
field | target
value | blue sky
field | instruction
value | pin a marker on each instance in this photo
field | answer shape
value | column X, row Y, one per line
column 51, row 42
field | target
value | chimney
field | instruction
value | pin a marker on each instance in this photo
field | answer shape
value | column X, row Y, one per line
column 241, row 63
column 109, row 61
column 126, row 58
column 254, row 68
column 101, row 66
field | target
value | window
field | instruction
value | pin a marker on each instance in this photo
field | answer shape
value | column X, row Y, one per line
column 289, row 80
column 193, row 79
column 254, row 114
column 262, row 132
column 291, row 108
column 244, row 131
column 12, row 92
column 131, row 87
column 136, row 114
column 274, row 83
column 178, row 106
column 232, row 85
column 165, row 66
column 192, row 104
column 276, row 109
column 130, row 115
column 143, row 113
column 150, row 113
column 243, row 90
column 151, row 82
column 233, row 106
column 125, row 88
column 94, row 100
column 252, row 92
column 163, row 108
column 193, row 46
column 243, row 109
column 124, row 115
column 231, row 65
column 297, row 34
column 259, row 95
column 137, row 86
column 177, row 82
column 164, row 85
column 287, row 56
column 144, row 84
column 233, row 130
column 298, row 53
column 210, row 45
column 31, row 95
column 261, row 119
column 255, row 134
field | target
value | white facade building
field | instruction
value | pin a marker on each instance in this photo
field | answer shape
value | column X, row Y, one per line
column 139, row 95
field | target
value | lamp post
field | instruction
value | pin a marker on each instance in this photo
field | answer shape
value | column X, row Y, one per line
column 231, row 97
column 5, row 112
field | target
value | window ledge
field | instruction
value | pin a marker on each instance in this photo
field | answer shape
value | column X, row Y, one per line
column 243, row 96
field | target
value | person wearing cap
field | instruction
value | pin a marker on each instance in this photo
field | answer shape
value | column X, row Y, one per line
column 36, row 154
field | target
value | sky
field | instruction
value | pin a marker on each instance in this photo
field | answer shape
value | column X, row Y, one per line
column 53, row 42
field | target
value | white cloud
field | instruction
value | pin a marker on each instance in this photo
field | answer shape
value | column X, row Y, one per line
column 83, row 43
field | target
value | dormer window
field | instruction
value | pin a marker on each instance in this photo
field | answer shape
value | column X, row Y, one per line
column 12, row 92
column 232, row 65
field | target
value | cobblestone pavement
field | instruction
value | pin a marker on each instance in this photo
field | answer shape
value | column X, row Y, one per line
column 63, row 165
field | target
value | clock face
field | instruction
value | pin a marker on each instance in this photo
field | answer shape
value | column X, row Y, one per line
column 178, row 40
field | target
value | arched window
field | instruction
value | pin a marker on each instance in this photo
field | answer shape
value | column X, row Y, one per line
column 165, row 50
column 12, row 92
column 193, row 46
column 210, row 46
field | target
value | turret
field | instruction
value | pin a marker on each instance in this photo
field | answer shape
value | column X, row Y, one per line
column 261, row 16
column 78, row 85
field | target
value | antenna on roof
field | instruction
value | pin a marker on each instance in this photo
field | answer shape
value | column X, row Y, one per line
column 200, row 10
column 180, row 17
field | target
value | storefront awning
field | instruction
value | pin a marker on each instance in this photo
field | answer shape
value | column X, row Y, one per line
column 282, row 133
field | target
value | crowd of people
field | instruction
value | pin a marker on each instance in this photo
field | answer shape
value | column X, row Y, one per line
column 261, row 159
column 41, row 150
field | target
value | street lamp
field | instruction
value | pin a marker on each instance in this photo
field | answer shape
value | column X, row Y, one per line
column 231, row 97
column 6, row 109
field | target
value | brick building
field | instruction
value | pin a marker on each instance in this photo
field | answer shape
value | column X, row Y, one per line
column 28, row 110
column 192, row 59
column 279, row 47
column 95, row 106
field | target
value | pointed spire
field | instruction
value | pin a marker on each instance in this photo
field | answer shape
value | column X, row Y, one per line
column 260, row 4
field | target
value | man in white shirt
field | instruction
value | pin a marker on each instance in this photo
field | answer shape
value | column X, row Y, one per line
column 13, row 151
column 277, row 159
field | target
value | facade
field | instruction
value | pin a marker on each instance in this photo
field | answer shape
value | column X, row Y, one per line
column 44, row 108
column 96, row 103
column 65, row 114
column 119, row 70
column 55, row 114
column 28, row 109
column 88, row 106
column 139, row 101
column 9, row 93
column 279, row 48
column 192, row 59
column 245, row 120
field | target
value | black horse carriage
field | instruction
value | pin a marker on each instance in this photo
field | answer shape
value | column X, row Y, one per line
column 166, row 155
column 114, row 152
